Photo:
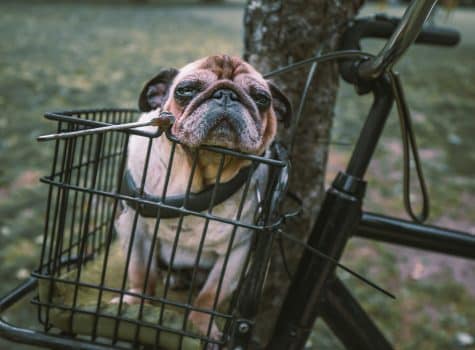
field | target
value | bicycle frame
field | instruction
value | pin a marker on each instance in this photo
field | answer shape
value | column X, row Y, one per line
column 315, row 290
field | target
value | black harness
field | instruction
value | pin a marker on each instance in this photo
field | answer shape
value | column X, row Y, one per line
column 195, row 201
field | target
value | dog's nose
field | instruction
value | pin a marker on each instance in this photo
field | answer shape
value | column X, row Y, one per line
column 225, row 95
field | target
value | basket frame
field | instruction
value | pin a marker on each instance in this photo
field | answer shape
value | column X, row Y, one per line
column 53, row 261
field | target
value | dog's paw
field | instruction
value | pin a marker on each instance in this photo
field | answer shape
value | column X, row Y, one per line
column 214, row 335
column 201, row 322
column 127, row 298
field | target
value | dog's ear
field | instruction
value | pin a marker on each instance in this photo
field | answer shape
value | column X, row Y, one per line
column 281, row 104
column 155, row 92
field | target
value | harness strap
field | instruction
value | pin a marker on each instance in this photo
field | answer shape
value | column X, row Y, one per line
column 196, row 201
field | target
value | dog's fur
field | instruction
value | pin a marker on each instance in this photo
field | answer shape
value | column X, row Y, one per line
column 230, row 105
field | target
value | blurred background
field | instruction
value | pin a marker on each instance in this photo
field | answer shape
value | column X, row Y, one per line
column 57, row 55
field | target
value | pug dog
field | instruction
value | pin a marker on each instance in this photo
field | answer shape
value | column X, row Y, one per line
column 220, row 101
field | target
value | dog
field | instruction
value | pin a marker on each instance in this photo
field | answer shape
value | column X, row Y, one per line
column 220, row 101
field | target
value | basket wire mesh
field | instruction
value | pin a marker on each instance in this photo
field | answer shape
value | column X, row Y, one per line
column 82, row 272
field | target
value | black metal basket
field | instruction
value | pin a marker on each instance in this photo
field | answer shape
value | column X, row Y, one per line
column 82, row 268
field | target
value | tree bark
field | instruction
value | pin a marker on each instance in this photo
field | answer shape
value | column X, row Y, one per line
column 278, row 33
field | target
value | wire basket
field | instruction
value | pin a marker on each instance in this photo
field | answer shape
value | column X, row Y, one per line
column 83, row 274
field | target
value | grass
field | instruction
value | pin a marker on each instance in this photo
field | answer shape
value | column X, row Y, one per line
column 56, row 55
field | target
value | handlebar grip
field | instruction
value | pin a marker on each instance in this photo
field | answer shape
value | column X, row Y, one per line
column 439, row 36
column 382, row 26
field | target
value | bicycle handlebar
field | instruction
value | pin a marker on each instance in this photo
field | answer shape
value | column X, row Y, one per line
column 404, row 35
column 401, row 33
column 382, row 27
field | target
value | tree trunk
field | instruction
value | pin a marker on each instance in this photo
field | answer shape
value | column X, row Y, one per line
column 278, row 33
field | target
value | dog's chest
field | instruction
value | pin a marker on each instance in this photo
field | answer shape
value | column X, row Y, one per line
column 191, row 234
column 186, row 237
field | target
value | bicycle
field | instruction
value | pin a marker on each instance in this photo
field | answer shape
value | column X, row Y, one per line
column 323, row 250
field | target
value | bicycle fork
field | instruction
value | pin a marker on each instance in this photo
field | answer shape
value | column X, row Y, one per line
column 315, row 289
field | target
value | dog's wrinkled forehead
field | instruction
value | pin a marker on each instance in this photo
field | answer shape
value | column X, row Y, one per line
column 221, row 67
column 201, row 79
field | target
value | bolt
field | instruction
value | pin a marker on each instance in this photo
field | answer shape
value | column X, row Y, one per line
column 243, row 328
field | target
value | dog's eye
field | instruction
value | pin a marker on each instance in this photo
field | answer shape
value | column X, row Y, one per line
column 185, row 92
column 262, row 99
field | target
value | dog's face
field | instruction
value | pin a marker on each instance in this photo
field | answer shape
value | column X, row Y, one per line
column 219, row 100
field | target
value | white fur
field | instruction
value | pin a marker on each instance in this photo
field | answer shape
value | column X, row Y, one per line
column 218, row 234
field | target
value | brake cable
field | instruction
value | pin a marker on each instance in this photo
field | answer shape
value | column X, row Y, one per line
column 407, row 133
column 409, row 145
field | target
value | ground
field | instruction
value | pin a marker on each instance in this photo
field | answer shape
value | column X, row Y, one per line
column 56, row 55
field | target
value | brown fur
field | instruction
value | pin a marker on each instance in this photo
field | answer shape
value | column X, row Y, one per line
column 219, row 70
